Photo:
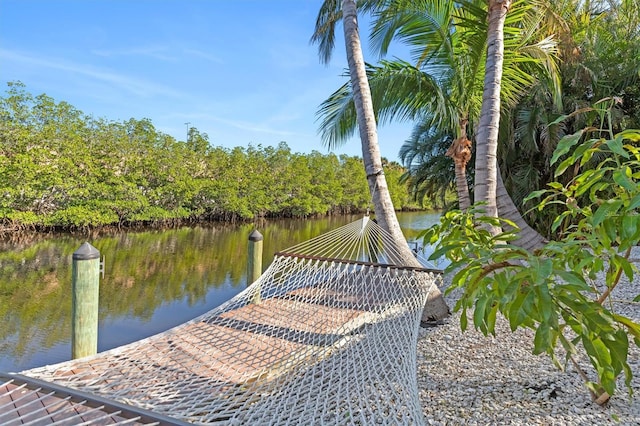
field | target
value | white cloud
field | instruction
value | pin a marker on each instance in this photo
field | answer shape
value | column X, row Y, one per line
column 123, row 82
column 155, row 52
column 204, row 55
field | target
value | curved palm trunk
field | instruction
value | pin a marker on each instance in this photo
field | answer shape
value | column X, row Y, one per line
column 487, row 140
column 435, row 308
column 464, row 200
column 460, row 152
column 528, row 238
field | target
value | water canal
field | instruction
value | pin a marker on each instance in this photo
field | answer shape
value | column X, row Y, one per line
column 154, row 280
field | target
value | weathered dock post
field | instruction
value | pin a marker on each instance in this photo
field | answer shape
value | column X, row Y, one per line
column 86, row 287
column 254, row 263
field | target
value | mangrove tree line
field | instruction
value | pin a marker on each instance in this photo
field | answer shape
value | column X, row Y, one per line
column 62, row 168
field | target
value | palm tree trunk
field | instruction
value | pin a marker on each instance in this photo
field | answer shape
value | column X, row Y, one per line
column 487, row 139
column 528, row 238
column 464, row 200
column 460, row 152
column 436, row 308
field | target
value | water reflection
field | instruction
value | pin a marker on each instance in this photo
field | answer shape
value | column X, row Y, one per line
column 153, row 281
column 412, row 225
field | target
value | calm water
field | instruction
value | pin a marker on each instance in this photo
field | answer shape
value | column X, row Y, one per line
column 153, row 281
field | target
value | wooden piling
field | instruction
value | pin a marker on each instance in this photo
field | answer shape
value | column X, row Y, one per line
column 86, row 282
column 254, row 262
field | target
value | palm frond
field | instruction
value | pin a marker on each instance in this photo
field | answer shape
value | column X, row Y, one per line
column 399, row 91
column 329, row 15
column 337, row 116
column 429, row 172
column 423, row 25
column 403, row 92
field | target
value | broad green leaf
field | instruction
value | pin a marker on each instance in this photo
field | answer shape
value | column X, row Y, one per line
column 597, row 351
column 558, row 220
column 596, row 188
column 611, row 229
column 587, row 180
column 511, row 291
column 509, row 253
column 635, row 202
column 479, row 313
column 621, row 177
column 608, row 208
column 629, row 134
column 630, row 227
column 443, row 251
column 585, row 150
column 542, row 339
column 521, row 308
column 564, row 165
column 565, row 144
column 584, row 155
column 491, row 319
column 574, row 278
column 600, row 232
column 627, row 267
column 546, row 308
column 615, row 145
column 545, row 267
column 632, row 327
column 535, row 194
column 555, row 185
column 601, row 359
column 618, row 347
column 573, row 301
column 598, row 318
column 463, row 321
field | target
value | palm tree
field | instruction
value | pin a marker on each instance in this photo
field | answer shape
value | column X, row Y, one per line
column 443, row 90
column 436, row 308
column 598, row 48
column 487, row 138
column 460, row 153
column 429, row 173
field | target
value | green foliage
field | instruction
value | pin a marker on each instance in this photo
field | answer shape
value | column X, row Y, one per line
column 599, row 43
column 81, row 216
column 144, row 271
column 561, row 290
column 60, row 168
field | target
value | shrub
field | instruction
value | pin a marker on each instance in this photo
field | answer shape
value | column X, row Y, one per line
column 552, row 290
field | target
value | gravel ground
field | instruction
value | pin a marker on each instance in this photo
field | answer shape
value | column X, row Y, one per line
column 468, row 379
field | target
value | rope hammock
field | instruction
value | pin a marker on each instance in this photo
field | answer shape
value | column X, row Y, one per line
column 327, row 335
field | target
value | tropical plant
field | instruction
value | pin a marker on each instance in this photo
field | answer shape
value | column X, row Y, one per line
column 429, row 172
column 599, row 43
column 61, row 168
column 443, row 89
column 435, row 308
column 486, row 169
column 562, row 291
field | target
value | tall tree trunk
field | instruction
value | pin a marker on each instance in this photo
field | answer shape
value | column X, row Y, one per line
column 436, row 308
column 460, row 152
column 528, row 238
column 487, row 139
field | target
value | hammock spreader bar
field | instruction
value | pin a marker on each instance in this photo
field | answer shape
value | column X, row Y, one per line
column 359, row 262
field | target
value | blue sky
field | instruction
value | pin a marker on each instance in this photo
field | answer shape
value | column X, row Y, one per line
column 241, row 71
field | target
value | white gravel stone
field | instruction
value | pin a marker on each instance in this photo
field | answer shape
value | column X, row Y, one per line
column 469, row 379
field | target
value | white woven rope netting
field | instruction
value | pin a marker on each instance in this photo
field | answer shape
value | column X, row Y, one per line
column 327, row 335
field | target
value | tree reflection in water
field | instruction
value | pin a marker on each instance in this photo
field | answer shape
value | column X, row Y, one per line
column 154, row 280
